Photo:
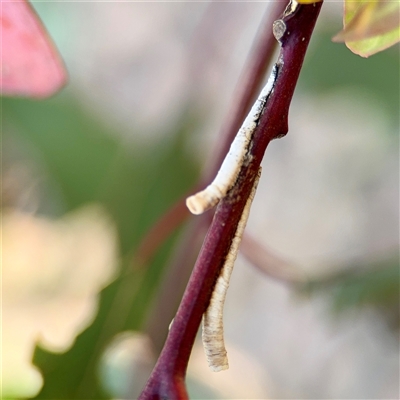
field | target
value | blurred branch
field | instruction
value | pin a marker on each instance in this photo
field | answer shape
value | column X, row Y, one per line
column 269, row 263
column 159, row 232
column 362, row 283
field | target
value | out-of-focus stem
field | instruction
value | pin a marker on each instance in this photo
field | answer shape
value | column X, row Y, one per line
column 269, row 263
column 167, row 378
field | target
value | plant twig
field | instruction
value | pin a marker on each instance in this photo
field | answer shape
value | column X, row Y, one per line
column 171, row 288
column 167, row 378
column 269, row 263
column 249, row 85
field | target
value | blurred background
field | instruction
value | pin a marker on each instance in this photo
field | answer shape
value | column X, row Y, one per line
column 86, row 173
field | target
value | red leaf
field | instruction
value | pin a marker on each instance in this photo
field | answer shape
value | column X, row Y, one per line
column 30, row 63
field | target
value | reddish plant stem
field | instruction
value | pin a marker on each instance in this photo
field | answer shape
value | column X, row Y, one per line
column 269, row 263
column 173, row 283
column 171, row 289
column 167, row 378
column 159, row 232
column 249, row 85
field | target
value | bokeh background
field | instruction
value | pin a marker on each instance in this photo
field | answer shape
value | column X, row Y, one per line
column 86, row 173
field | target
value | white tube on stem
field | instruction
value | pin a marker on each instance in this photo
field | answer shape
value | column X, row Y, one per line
column 229, row 171
column 213, row 329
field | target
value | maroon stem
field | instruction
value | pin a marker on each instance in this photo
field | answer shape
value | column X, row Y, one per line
column 249, row 85
column 167, row 378
column 172, row 288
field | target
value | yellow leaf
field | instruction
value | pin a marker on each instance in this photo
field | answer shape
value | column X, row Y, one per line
column 370, row 26
column 368, row 47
